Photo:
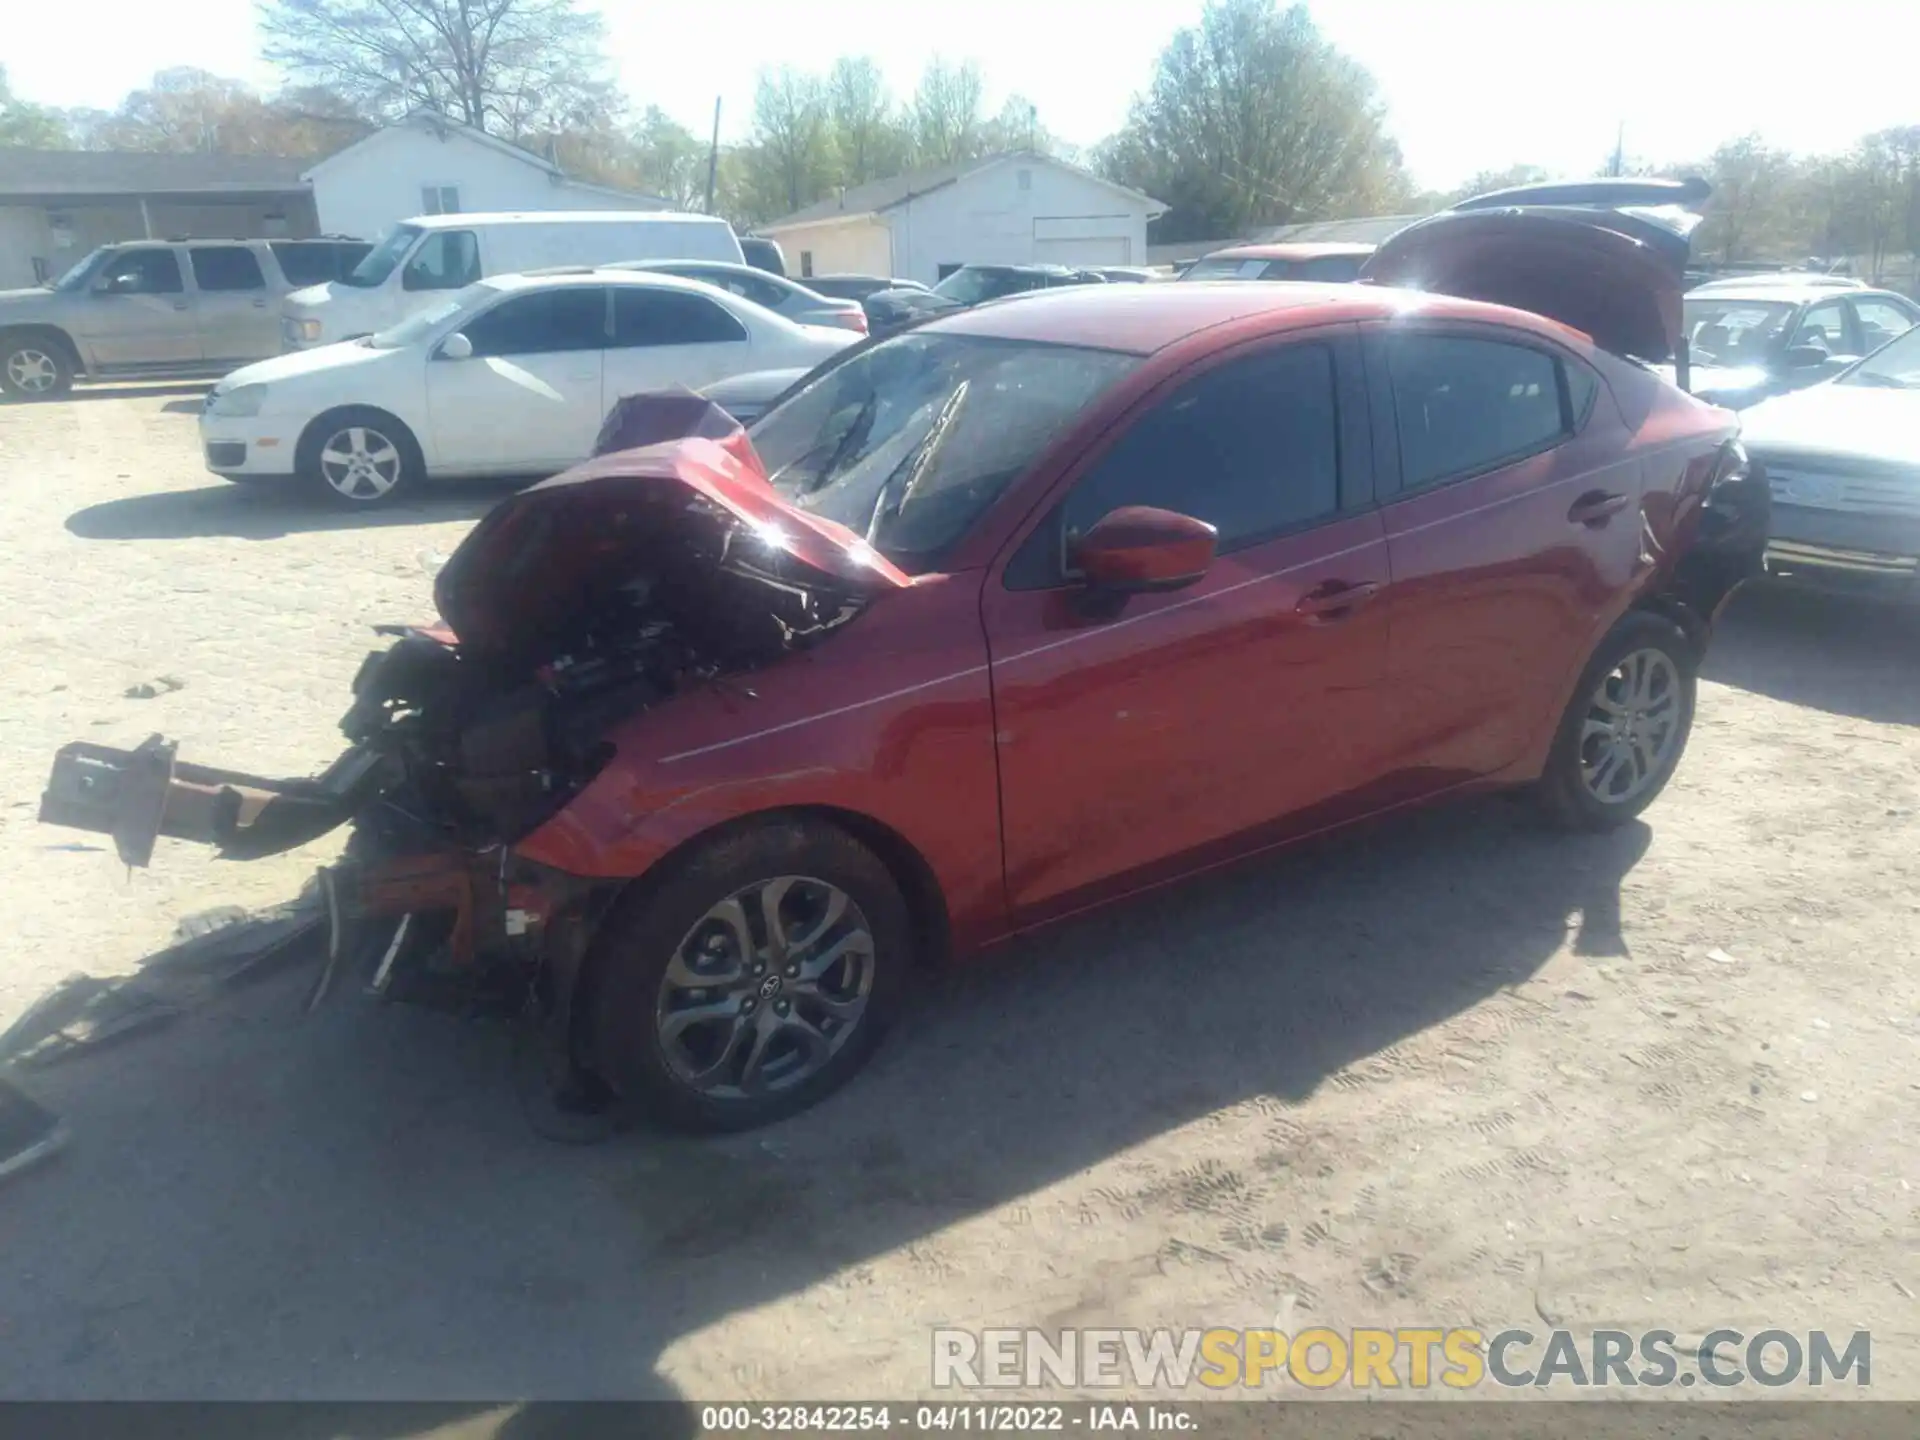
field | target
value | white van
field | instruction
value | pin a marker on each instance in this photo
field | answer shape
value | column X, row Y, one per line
column 419, row 261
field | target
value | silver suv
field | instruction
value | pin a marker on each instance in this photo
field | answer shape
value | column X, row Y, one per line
column 159, row 309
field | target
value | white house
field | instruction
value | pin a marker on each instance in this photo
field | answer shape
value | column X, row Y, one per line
column 429, row 165
column 1010, row 209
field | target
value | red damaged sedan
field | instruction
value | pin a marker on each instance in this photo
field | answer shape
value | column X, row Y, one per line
column 722, row 738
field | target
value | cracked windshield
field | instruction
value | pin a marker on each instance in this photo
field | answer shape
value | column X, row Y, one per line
column 1065, row 718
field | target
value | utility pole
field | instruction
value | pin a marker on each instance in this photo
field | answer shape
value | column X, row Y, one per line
column 713, row 155
column 1033, row 127
column 1619, row 162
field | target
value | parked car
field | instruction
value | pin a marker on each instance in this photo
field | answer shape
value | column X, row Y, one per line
column 1126, row 274
column 158, row 309
column 969, row 285
column 1332, row 263
column 764, row 254
column 724, row 740
column 747, row 397
column 510, row 376
column 418, row 262
column 1756, row 336
column 782, row 296
column 1843, row 460
column 856, row 287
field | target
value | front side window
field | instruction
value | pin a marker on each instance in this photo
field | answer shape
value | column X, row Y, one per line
column 1251, row 447
column 908, row 442
column 141, row 272
column 446, row 260
column 226, row 267
column 439, row 200
column 1824, row 327
column 308, row 262
column 1466, row 406
column 645, row 317
column 542, row 322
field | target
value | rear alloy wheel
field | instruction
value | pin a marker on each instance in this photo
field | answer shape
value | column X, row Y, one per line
column 1626, row 727
column 752, row 980
column 358, row 458
column 35, row 370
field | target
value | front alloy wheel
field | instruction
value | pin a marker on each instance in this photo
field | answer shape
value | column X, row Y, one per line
column 750, row 977
column 34, row 371
column 361, row 464
column 766, row 988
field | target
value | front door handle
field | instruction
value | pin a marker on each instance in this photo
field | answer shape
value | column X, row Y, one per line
column 179, row 304
column 1596, row 507
column 1335, row 599
column 259, row 304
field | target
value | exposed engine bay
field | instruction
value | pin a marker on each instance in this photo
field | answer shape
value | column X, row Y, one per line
column 569, row 608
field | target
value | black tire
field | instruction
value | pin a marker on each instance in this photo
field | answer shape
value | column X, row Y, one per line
column 34, row 366
column 381, row 435
column 1573, row 790
column 631, row 998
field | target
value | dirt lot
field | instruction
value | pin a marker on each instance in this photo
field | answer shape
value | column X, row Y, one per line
column 1452, row 1072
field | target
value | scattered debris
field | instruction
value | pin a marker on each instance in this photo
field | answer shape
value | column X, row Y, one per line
column 1721, row 957
column 1810, row 1096
column 1819, row 1024
column 153, row 689
column 212, row 949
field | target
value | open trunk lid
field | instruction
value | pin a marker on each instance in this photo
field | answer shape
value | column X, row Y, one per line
column 1607, row 257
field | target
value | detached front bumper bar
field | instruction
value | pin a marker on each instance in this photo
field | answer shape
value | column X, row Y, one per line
column 138, row 795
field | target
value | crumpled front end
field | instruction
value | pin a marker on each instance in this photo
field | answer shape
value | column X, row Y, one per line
column 571, row 607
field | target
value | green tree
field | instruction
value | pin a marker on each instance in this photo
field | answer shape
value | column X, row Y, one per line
column 870, row 136
column 1253, row 119
column 29, row 127
column 512, row 67
column 948, row 125
column 791, row 161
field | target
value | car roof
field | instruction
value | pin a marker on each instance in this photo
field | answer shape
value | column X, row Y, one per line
column 1780, row 293
column 467, row 220
column 1304, row 250
column 592, row 275
column 1024, row 269
column 1141, row 319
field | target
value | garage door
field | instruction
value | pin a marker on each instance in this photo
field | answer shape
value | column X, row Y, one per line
column 1093, row 250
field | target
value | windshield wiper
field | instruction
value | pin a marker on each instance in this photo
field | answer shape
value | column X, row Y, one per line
column 907, row 473
column 1878, row 382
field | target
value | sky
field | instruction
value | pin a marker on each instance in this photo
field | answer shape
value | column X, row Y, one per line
column 1469, row 85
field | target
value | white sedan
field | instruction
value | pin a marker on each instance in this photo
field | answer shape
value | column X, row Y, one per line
column 511, row 376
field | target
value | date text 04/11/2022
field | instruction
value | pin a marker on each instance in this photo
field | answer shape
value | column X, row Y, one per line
column 1006, row 1419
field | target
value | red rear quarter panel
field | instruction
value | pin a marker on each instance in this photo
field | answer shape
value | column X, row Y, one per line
column 890, row 719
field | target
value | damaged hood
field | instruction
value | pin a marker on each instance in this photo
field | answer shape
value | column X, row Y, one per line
column 1607, row 257
column 676, row 497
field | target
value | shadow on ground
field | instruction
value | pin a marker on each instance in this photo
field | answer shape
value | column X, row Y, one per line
column 356, row 1205
column 1845, row 657
column 272, row 512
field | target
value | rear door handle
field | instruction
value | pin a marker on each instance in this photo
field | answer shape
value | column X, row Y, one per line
column 1335, row 598
column 1597, row 506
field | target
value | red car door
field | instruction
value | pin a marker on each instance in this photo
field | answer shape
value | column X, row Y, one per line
column 1139, row 743
column 1512, row 513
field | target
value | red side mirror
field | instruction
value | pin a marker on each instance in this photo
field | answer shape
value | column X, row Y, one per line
column 1139, row 548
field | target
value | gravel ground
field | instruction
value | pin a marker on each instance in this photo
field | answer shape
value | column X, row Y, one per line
column 1455, row 1071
